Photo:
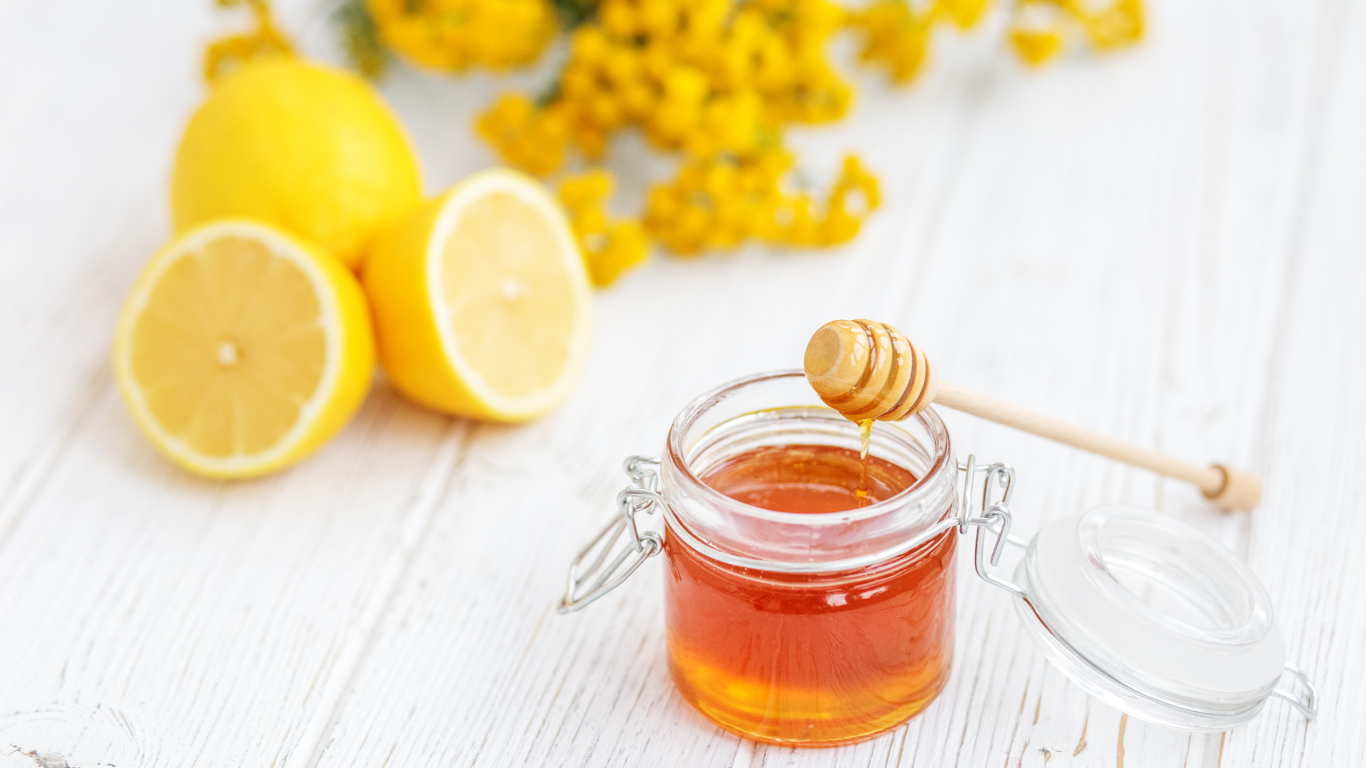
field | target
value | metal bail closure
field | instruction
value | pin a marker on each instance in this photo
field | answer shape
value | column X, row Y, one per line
column 592, row 574
column 1151, row 616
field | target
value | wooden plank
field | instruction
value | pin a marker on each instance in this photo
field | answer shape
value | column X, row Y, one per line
column 83, row 201
column 1306, row 539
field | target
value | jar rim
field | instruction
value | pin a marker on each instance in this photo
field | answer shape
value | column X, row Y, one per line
column 677, row 455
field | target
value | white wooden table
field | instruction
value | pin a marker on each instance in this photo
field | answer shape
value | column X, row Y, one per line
column 1168, row 245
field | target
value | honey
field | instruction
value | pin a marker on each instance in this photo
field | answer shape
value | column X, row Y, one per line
column 807, row 478
column 810, row 658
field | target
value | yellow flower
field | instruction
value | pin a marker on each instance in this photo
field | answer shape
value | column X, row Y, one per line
column 619, row 18
column 586, row 189
column 659, row 18
column 963, row 13
column 1036, row 47
column 609, row 247
column 1118, row 25
column 589, row 46
column 530, row 138
column 228, row 53
column 855, row 195
column 1036, row 31
column 624, row 247
column 453, row 35
column 894, row 36
column 685, row 84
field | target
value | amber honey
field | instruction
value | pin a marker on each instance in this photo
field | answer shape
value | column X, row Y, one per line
column 810, row 658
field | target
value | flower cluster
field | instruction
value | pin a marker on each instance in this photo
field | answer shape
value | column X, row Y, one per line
column 894, row 36
column 226, row 53
column 454, row 35
column 526, row 136
column 1039, row 27
column 704, row 77
column 715, row 81
column 719, row 202
column 610, row 247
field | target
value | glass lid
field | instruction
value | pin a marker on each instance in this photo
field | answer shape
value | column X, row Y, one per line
column 1155, row 618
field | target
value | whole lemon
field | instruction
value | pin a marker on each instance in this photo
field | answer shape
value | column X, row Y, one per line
column 302, row 146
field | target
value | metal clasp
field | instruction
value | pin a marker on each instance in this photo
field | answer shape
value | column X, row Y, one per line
column 1306, row 700
column 998, row 486
column 600, row 576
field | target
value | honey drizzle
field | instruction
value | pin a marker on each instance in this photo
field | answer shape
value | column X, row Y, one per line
column 865, row 436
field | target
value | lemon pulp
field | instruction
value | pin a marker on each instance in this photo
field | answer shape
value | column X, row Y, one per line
column 241, row 350
column 230, row 349
column 511, row 316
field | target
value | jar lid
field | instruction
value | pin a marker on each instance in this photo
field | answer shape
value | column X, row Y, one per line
column 1153, row 617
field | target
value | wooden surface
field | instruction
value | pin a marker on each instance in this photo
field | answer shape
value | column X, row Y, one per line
column 1167, row 245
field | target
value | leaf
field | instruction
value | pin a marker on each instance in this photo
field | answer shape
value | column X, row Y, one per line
column 360, row 38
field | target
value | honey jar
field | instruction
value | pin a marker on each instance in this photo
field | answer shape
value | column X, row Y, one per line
column 810, row 593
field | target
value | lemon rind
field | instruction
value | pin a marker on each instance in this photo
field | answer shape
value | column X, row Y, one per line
column 330, row 318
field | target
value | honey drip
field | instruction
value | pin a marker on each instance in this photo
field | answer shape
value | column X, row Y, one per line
column 865, row 436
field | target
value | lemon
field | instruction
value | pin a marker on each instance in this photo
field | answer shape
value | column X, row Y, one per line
column 241, row 349
column 481, row 300
column 305, row 147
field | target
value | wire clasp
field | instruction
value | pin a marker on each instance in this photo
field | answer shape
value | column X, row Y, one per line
column 1301, row 693
column 993, row 509
column 600, row 576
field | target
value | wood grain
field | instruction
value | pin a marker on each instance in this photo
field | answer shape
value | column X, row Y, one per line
column 1165, row 245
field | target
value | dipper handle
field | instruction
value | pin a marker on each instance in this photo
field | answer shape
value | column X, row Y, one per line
column 868, row 370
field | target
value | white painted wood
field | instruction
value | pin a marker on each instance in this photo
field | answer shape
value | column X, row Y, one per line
column 150, row 617
column 1165, row 245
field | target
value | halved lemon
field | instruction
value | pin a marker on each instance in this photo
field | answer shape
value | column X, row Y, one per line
column 481, row 300
column 242, row 349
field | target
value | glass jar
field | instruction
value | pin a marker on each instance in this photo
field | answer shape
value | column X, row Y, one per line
column 806, row 628
column 802, row 628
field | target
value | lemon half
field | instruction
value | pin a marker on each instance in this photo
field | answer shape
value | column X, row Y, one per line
column 482, row 302
column 241, row 349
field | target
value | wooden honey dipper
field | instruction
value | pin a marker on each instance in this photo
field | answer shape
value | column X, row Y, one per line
column 867, row 370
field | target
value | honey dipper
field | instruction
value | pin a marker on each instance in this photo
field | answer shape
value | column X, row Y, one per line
column 867, row 370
